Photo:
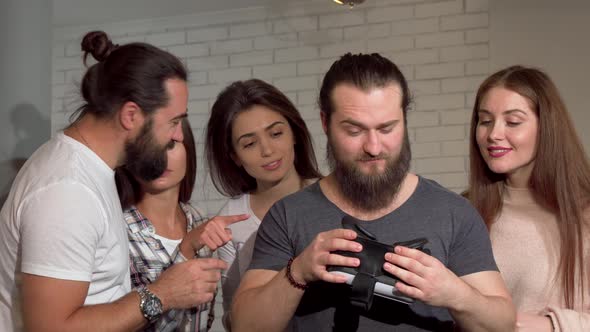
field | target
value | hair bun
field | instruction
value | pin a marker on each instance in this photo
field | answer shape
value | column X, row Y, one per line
column 98, row 44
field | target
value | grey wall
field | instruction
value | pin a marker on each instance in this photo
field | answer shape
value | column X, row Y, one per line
column 25, row 72
column 82, row 12
column 551, row 35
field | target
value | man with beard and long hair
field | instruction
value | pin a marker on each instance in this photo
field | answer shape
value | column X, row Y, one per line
column 363, row 101
column 64, row 253
column 372, row 191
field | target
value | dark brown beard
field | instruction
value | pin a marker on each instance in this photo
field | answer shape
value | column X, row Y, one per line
column 375, row 191
column 145, row 159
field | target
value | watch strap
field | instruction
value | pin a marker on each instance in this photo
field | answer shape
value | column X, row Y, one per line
column 146, row 299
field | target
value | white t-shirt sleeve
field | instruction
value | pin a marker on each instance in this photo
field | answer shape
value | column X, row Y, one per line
column 61, row 227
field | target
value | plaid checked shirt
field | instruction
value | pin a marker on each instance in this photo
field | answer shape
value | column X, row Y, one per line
column 149, row 259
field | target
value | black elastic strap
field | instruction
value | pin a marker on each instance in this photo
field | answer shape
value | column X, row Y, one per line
column 363, row 287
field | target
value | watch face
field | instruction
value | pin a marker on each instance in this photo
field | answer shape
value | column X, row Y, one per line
column 152, row 306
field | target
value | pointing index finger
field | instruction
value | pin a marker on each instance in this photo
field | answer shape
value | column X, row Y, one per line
column 228, row 220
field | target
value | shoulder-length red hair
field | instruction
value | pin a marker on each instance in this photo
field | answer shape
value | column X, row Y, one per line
column 561, row 174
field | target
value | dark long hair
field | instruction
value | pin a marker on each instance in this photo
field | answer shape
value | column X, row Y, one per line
column 364, row 71
column 561, row 174
column 129, row 189
column 230, row 179
column 133, row 72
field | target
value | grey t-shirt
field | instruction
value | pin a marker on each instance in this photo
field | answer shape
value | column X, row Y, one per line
column 456, row 233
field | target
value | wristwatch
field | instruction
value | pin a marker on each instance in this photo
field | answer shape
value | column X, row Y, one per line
column 149, row 304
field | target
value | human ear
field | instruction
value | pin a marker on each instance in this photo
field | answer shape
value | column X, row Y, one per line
column 131, row 116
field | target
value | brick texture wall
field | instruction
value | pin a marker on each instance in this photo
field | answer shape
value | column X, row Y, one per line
column 441, row 46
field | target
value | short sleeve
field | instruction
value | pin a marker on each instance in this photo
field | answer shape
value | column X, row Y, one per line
column 471, row 248
column 273, row 249
column 61, row 226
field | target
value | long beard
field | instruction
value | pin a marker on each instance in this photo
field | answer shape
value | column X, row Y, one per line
column 370, row 192
column 145, row 159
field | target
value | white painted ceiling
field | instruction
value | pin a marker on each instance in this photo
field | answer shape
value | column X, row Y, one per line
column 82, row 12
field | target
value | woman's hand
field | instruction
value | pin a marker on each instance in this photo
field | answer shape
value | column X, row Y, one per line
column 214, row 233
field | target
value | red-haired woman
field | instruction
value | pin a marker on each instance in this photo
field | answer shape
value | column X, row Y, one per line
column 530, row 180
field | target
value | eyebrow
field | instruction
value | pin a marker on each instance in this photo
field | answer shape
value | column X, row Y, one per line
column 272, row 125
column 181, row 116
column 510, row 111
column 362, row 126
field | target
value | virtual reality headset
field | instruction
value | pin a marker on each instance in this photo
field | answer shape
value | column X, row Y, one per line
column 369, row 278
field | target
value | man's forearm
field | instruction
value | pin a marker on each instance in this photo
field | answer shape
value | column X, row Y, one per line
column 484, row 313
column 266, row 308
column 121, row 315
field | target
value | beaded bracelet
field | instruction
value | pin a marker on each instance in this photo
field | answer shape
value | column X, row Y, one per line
column 290, row 277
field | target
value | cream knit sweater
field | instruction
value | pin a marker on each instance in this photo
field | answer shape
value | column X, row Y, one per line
column 525, row 240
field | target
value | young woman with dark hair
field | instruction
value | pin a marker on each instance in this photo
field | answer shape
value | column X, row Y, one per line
column 530, row 180
column 164, row 228
column 258, row 150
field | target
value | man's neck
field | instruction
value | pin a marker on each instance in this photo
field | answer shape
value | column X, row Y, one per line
column 100, row 136
column 332, row 191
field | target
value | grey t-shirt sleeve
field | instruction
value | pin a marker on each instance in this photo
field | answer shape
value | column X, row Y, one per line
column 471, row 248
column 272, row 249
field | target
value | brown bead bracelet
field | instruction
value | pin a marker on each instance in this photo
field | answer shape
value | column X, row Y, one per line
column 290, row 277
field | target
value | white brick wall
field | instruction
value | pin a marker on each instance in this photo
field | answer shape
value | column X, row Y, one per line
column 442, row 46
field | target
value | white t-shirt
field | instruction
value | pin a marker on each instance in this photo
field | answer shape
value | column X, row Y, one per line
column 169, row 244
column 63, row 220
column 237, row 253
